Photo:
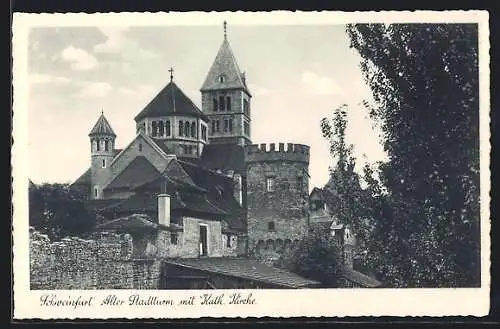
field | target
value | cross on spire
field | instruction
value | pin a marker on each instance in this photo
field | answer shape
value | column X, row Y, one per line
column 171, row 74
column 102, row 111
column 225, row 30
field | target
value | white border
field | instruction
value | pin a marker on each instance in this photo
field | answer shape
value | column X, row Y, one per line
column 275, row 303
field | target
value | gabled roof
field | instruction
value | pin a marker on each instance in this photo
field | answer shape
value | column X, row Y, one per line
column 136, row 173
column 246, row 269
column 224, row 157
column 84, row 179
column 360, row 278
column 171, row 101
column 102, row 127
column 220, row 192
column 225, row 65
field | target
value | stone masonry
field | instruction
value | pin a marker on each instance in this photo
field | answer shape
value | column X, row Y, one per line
column 277, row 219
column 103, row 262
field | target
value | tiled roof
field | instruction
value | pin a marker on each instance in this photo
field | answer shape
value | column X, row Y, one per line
column 219, row 192
column 84, row 179
column 224, row 157
column 148, row 203
column 170, row 101
column 162, row 144
column 102, row 127
column 135, row 222
column 247, row 269
column 137, row 172
column 224, row 65
column 97, row 204
column 360, row 278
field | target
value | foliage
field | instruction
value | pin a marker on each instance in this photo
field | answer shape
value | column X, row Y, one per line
column 424, row 78
column 343, row 193
column 317, row 257
column 58, row 211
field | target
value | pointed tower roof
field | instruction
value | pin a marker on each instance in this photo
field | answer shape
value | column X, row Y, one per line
column 102, row 127
column 224, row 66
column 170, row 101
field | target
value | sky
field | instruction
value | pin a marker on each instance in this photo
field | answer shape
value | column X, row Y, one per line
column 296, row 74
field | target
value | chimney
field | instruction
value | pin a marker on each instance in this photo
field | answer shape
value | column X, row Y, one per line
column 164, row 209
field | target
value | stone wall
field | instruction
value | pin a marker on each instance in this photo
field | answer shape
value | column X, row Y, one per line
column 103, row 262
column 280, row 214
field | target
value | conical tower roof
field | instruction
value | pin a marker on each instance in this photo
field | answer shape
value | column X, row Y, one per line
column 225, row 72
column 170, row 101
column 102, row 127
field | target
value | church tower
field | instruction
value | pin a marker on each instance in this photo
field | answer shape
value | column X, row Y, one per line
column 102, row 143
column 226, row 99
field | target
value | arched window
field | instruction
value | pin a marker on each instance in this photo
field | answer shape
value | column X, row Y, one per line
column 155, row 128
column 246, row 107
column 106, row 145
column 204, row 133
column 221, row 103
column 228, row 103
column 95, row 145
column 181, row 128
column 186, row 129
column 98, row 145
column 193, row 129
column 215, row 105
column 161, row 129
column 167, row 127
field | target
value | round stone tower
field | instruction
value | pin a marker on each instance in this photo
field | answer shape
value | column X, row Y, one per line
column 277, row 196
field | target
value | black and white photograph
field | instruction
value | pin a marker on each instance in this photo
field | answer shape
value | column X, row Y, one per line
column 229, row 155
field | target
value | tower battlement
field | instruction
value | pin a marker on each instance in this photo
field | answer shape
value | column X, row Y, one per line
column 284, row 152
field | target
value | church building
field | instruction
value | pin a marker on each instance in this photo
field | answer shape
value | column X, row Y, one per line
column 210, row 197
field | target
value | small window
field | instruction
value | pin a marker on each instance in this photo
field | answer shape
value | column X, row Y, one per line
column 98, row 145
column 181, row 128
column 161, row 129
column 167, row 127
column 213, row 128
column 104, row 163
column 140, row 147
column 270, row 227
column 217, row 125
column 106, row 145
column 300, row 183
column 154, row 124
column 231, row 125
column 228, row 103
column 204, row 133
column 270, row 184
column 222, row 78
column 193, row 129
column 174, row 237
column 226, row 125
column 215, row 105
column 246, row 128
column 228, row 241
column 96, row 191
column 221, row 103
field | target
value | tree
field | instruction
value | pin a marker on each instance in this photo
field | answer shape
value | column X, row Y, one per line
column 343, row 193
column 58, row 211
column 424, row 79
column 317, row 257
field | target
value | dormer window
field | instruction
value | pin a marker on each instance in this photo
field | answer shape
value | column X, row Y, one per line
column 222, row 78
